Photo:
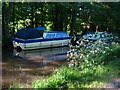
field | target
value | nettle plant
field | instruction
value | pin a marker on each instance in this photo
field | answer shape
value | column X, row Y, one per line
column 90, row 53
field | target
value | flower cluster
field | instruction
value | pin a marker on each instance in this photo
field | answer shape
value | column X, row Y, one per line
column 89, row 52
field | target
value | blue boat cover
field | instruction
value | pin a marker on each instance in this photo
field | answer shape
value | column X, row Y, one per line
column 28, row 33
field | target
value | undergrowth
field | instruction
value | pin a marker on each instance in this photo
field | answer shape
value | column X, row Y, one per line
column 93, row 71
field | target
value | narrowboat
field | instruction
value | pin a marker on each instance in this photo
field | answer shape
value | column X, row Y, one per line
column 35, row 38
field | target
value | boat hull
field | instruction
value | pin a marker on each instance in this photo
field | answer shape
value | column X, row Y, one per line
column 40, row 43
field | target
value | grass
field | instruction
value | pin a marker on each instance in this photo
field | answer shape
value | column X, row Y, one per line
column 16, row 85
column 70, row 78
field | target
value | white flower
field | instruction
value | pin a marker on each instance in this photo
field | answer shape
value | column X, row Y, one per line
column 72, row 61
column 87, row 56
column 103, row 51
column 77, row 42
column 75, row 53
column 92, row 52
column 95, row 51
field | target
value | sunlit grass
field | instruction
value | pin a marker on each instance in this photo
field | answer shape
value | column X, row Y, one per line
column 87, row 78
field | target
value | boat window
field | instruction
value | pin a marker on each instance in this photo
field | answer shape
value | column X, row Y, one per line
column 103, row 36
column 93, row 36
column 107, row 36
column 98, row 36
column 110, row 35
column 58, row 35
column 50, row 36
column 89, row 35
column 61, row 35
column 65, row 35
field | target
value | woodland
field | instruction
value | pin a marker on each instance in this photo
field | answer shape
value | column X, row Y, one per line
column 73, row 17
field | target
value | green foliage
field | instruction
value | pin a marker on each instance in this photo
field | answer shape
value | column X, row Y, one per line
column 53, row 82
column 71, row 16
column 93, row 71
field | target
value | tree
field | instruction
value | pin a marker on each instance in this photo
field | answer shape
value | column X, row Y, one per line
column 7, row 7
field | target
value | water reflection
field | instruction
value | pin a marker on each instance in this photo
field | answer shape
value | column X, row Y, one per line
column 31, row 65
column 41, row 52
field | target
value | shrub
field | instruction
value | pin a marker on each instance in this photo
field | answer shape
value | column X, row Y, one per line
column 92, row 54
column 89, row 67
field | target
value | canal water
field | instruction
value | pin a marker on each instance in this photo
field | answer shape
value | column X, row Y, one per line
column 27, row 66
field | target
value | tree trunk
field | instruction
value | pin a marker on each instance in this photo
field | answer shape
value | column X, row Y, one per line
column 72, row 24
column 6, row 18
column 42, row 17
column 60, row 23
column 56, row 17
